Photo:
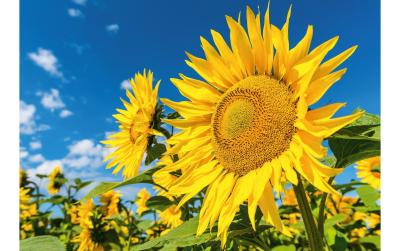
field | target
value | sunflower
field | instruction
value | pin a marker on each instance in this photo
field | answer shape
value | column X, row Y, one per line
column 171, row 217
column 26, row 208
column 248, row 125
column 73, row 211
column 368, row 170
column 135, row 124
column 142, row 197
column 56, row 180
column 86, row 238
column 110, row 202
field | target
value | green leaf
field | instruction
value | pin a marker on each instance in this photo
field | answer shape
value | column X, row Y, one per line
column 329, row 223
column 145, row 177
column 159, row 202
column 367, row 119
column 284, row 248
column 145, row 224
column 182, row 236
column 358, row 141
column 340, row 242
column 154, row 153
column 368, row 195
column 373, row 239
column 42, row 243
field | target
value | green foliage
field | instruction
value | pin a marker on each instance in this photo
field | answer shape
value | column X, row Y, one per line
column 357, row 141
column 159, row 203
column 145, row 177
column 43, row 243
column 372, row 239
column 178, row 237
column 368, row 195
column 284, row 248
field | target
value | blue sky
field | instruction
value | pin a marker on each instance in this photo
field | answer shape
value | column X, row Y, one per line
column 74, row 55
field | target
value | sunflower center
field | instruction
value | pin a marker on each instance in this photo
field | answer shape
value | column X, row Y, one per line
column 253, row 123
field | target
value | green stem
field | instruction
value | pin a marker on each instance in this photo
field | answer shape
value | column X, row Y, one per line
column 321, row 210
column 316, row 243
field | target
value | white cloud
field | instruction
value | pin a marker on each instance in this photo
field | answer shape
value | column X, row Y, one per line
column 27, row 123
column 23, row 153
column 26, row 112
column 80, row 2
column 112, row 28
column 51, row 100
column 85, row 153
column 36, row 158
column 65, row 113
column 34, row 145
column 47, row 61
column 74, row 12
column 126, row 85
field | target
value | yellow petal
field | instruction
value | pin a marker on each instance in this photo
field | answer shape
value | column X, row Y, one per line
column 325, row 112
column 333, row 63
column 318, row 87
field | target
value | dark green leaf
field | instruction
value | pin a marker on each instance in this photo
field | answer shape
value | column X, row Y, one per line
column 358, row 141
column 158, row 202
column 154, row 153
column 42, row 243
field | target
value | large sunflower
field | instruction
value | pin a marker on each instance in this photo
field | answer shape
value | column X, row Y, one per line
column 248, row 125
column 135, row 124
column 368, row 170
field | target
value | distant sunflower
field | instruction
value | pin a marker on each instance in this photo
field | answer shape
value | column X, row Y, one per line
column 110, row 202
column 55, row 180
column 135, row 124
column 249, row 125
column 368, row 171
column 87, row 238
column 171, row 217
column 142, row 197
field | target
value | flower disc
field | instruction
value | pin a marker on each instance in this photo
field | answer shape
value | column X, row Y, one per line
column 255, row 118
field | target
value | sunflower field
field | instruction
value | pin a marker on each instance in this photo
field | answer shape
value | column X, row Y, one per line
column 246, row 162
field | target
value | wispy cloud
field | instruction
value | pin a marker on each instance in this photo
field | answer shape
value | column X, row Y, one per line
column 51, row 100
column 36, row 158
column 112, row 28
column 80, row 2
column 126, row 85
column 27, row 121
column 35, row 145
column 47, row 61
column 65, row 113
column 72, row 12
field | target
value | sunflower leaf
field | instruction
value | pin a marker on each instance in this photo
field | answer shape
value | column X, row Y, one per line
column 145, row 177
column 158, row 202
column 368, row 195
column 373, row 239
column 43, row 243
column 358, row 141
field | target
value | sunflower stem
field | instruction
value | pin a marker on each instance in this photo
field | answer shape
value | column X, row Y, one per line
column 321, row 211
column 315, row 240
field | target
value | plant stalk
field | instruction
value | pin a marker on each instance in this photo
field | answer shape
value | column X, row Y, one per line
column 315, row 239
column 321, row 212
